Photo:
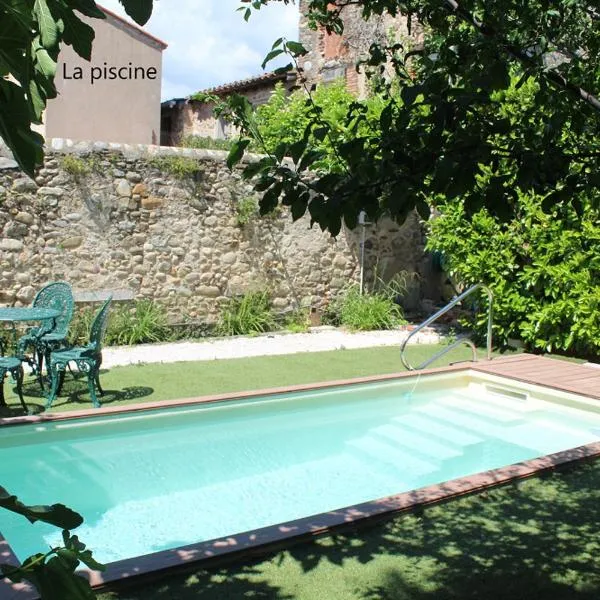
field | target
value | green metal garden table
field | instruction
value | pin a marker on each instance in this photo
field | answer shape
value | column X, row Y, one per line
column 18, row 314
column 14, row 314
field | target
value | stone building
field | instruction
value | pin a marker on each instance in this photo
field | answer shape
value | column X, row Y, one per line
column 181, row 117
column 331, row 56
column 116, row 96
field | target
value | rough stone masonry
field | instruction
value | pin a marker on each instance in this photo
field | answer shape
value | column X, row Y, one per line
column 136, row 220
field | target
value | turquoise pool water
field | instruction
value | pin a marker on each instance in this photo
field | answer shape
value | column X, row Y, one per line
column 152, row 481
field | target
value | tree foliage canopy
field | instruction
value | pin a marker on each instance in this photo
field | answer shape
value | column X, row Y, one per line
column 448, row 128
column 443, row 128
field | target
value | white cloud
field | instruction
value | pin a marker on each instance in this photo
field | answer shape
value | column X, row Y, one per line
column 210, row 43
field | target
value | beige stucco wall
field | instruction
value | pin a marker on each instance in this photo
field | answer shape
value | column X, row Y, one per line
column 126, row 111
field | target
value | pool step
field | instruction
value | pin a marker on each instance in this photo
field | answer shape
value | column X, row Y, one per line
column 480, row 409
column 375, row 451
column 462, row 420
column 508, row 403
column 446, row 433
column 419, row 444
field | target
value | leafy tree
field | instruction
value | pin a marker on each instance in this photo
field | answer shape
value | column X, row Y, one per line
column 31, row 34
column 279, row 120
column 446, row 133
column 438, row 136
column 542, row 266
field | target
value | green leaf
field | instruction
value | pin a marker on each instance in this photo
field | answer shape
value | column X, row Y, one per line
column 58, row 582
column 254, row 168
column 265, row 182
column 297, row 149
column 47, row 25
column 46, row 64
column 270, row 198
column 15, row 130
column 37, row 99
column 320, row 133
column 284, row 69
column 270, row 56
column 237, row 152
column 296, row 48
column 409, row 94
column 385, row 119
column 89, row 561
column 56, row 514
column 139, row 10
column 79, row 35
column 89, row 9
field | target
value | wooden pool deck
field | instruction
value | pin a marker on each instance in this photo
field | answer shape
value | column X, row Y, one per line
column 549, row 372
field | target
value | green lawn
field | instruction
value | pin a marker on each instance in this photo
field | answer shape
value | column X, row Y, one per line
column 127, row 385
column 535, row 539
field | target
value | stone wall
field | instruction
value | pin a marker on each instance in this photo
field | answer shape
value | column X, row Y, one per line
column 134, row 220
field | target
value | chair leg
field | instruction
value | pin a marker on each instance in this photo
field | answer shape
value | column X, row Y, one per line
column 39, row 367
column 2, row 400
column 97, row 378
column 61, row 380
column 56, row 376
column 92, row 378
column 18, row 375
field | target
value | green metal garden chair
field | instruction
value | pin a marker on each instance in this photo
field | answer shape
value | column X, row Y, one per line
column 50, row 335
column 14, row 366
column 87, row 358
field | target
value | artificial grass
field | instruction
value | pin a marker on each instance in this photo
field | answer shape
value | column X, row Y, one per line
column 534, row 539
column 167, row 381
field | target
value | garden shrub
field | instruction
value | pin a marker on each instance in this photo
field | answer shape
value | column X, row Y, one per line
column 283, row 119
column 180, row 167
column 208, row 143
column 142, row 322
column 79, row 329
column 367, row 311
column 246, row 314
column 544, row 270
column 297, row 321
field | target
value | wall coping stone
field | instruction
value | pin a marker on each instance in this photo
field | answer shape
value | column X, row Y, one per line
column 137, row 151
column 102, row 295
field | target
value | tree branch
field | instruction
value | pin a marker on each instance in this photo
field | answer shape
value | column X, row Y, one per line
column 522, row 56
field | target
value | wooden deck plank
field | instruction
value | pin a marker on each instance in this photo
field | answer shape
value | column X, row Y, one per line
column 550, row 372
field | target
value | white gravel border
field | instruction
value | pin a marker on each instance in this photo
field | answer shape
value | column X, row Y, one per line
column 317, row 340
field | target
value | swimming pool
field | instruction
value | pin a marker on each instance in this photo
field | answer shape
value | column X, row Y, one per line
column 157, row 480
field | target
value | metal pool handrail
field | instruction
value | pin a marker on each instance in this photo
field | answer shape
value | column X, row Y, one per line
column 466, row 341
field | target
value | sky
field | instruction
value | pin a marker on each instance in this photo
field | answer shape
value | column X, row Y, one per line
column 210, row 43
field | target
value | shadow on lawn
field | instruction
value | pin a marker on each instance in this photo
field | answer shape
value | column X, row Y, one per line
column 535, row 539
column 74, row 392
